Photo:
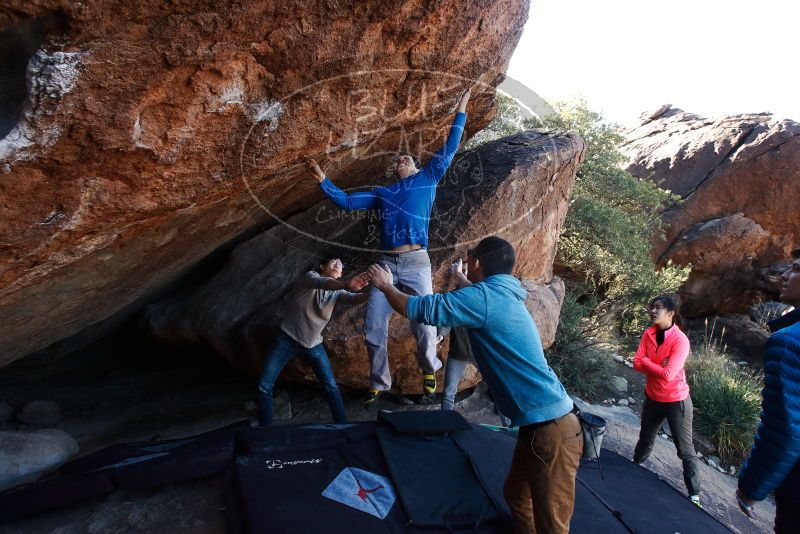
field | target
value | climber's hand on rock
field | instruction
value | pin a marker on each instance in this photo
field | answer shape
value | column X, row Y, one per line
column 462, row 104
column 312, row 167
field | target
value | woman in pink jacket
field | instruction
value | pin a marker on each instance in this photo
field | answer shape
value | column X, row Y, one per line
column 661, row 355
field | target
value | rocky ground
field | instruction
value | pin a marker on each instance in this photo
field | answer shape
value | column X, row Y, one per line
column 625, row 388
column 150, row 393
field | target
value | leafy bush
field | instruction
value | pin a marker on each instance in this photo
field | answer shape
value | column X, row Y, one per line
column 507, row 121
column 727, row 401
column 581, row 367
column 571, row 329
column 604, row 249
column 605, row 243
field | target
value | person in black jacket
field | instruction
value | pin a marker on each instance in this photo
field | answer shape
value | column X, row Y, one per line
column 774, row 462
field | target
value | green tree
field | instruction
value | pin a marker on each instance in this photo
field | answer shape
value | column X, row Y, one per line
column 605, row 243
column 507, row 121
column 604, row 247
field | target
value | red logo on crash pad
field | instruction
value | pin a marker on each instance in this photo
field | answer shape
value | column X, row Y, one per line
column 362, row 492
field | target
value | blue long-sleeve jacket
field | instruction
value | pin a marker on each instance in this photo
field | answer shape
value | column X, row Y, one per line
column 506, row 345
column 405, row 205
column 774, row 462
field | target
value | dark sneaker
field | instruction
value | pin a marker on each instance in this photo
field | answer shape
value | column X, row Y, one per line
column 427, row 398
column 429, row 383
column 372, row 396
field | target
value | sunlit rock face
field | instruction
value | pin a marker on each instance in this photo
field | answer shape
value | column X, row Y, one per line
column 148, row 134
column 739, row 180
column 517, row 187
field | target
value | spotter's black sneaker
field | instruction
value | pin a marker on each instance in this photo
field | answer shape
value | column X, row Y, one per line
column 372, row 396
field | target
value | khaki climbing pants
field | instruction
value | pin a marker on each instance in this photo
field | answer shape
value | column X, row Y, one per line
column 540, row 488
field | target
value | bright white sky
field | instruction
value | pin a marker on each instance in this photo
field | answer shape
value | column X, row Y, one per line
column 709, row 57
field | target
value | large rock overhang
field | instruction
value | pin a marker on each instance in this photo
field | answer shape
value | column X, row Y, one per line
column 155, row 133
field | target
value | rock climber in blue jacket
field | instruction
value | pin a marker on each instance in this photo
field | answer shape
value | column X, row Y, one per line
column 405, row 212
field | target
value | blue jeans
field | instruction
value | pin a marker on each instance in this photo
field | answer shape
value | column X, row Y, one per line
column 453, row 371
column 284, row 349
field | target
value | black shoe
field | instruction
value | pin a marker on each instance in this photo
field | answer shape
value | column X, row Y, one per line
column 402, row 400
column 372, row 396
column 427, row 398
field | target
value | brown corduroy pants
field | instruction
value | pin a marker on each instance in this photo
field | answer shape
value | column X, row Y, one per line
column 540, row 487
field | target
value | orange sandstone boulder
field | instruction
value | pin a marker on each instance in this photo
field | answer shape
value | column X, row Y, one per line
column 139, row 137
column 517, row 187
column 739, row 181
